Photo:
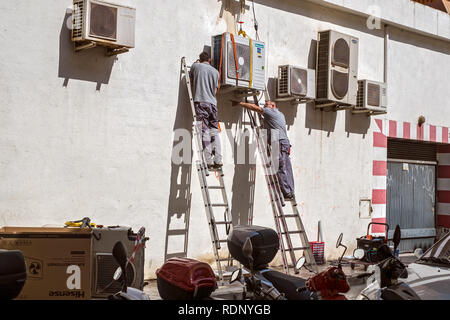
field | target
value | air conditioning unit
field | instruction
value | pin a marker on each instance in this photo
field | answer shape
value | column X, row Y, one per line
column 295, row 82
column 101, row 23
column 248, row 54
column 103, row 264
column 337, row 69
column 372, row 96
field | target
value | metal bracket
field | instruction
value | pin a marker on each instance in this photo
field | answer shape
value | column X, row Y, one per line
column 294, row 100
column 115, row 51
column 85, row 45
column 368, row 112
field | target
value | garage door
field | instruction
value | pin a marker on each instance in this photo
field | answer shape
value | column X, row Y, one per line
column 411, row 192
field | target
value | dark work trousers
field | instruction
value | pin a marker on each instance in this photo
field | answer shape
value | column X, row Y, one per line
column 285, row 175
column 207, row 114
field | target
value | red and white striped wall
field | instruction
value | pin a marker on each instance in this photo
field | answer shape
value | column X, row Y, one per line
column 383, row 129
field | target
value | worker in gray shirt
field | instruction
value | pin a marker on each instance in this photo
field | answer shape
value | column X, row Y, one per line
column 274, row 120
column 205, row 80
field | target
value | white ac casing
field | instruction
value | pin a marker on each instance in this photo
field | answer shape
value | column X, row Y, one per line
column 296, row 82
column 372, row 96
column 251, row 57
column 104, row 23
column 337, row 68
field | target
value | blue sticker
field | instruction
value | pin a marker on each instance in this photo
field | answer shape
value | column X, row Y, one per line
column 259, row 50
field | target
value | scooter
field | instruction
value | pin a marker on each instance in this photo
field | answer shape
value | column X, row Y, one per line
column 264, row 283
column 120, row 255
column 383, row 281
column 268, row 284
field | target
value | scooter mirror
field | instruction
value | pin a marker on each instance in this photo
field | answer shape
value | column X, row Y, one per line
column 300, row 263
column 397, row 237
column 236, row 275
column 359, row 254
column 117, row 274
column 339, row 240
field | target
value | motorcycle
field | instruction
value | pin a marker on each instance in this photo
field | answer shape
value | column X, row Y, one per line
column 331, row 283
column 264, row 283
column 383, row 281
column 120, row 255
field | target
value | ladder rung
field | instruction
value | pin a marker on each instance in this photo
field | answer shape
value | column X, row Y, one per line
column 222, row 241
column 176, row 232
column 226, row 259
column 175, row 255
column 287, row 216
column 223, row 222
column 219, row 205
column 216, row 187
column 293, row 232
column 298, row 248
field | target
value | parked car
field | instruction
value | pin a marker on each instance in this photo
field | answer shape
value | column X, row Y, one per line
column 429, row 276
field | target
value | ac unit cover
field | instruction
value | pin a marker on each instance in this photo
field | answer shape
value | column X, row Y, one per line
column 373, row 94
column 103, row 21
column 299, row 81
column 243, row 60
column 339, row 84
column 341, row 53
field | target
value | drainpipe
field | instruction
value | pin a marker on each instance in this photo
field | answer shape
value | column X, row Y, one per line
column 386, row 44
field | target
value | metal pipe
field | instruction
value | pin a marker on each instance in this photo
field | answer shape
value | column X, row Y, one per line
column 386, row 52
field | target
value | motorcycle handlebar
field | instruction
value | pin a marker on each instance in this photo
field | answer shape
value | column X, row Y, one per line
column 301, row 289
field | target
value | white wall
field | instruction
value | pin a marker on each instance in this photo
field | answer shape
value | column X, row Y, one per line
column 85, row 135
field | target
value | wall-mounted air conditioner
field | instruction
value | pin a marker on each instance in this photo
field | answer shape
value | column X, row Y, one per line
column 102, row 23
column 243, row 61
column 337, row 69
column 295, row 83
column 372, row 97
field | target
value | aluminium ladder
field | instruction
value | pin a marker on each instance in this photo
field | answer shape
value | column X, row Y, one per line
column 277, row 203
column 203, row 173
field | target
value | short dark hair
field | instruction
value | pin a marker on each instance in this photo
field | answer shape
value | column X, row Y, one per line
column 204, row 56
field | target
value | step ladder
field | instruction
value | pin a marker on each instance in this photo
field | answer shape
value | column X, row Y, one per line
column 225, row 264
column 289, row 253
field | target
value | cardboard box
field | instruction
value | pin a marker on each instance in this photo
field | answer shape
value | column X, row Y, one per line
column 58, row 261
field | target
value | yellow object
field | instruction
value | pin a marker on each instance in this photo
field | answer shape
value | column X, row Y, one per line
column 74, row 224
column 242, row 33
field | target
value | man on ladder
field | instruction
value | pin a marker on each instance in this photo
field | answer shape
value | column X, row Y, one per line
column 275, row 120
column 205, row 80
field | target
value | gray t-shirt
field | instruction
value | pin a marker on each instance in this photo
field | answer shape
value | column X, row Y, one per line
column 274, row 119
column 205, row 81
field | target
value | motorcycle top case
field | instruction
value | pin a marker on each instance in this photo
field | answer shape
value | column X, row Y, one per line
column 265, row 243
column 13, row 273
column 185, row 279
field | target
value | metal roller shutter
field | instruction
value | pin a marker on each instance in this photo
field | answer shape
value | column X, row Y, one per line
column 411, row 150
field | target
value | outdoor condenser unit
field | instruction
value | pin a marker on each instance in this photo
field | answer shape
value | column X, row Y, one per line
column 102, row 23
column 372, row 96
column 249, row 55
column 337, row 69
column 296, row 82
column 103, row 264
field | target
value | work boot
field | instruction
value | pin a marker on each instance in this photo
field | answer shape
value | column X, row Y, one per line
column 289, row 197
column 218, row 165
column 211, row 166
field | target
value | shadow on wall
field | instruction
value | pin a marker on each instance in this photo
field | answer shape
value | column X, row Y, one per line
column 90, row 65
column 178, row 213
column 356, row 123
column 243, row 186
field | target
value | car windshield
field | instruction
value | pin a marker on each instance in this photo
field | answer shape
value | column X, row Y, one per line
column 439, row 253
